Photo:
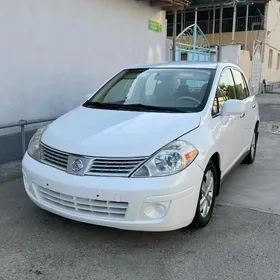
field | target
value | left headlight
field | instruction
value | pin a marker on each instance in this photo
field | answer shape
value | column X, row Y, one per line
column 171, row 159
column 34, row 144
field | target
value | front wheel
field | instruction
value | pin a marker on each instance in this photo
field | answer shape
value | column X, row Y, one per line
column 207, row 195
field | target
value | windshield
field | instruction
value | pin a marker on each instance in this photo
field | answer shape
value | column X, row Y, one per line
column 173, row 90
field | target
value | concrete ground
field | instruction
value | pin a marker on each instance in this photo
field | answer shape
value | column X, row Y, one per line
column 241, row 241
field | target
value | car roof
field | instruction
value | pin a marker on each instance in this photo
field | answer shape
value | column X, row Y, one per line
column 182, row 65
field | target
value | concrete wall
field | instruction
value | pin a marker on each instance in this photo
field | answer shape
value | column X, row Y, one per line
column 230, row 54
column 272, row 42
column 238, row 39
column 245, row 63
column 54, row 52
column 234, row 54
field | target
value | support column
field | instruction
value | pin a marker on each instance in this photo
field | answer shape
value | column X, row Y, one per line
column 174, row 35
column 208, row 23
column 182, row 21
column 220, row 34
column 214, row 25
column 195, row 29
column 233, row 23
column 246, row 26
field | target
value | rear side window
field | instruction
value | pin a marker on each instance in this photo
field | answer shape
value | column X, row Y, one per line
column 242, row 91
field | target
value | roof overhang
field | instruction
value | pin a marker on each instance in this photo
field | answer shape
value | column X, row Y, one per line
column 182, row 5
column 169, row 5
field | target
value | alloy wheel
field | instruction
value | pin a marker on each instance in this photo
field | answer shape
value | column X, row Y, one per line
column 253, row 146
column 207, row 192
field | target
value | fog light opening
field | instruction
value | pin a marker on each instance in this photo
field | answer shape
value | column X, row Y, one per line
column 155, row 210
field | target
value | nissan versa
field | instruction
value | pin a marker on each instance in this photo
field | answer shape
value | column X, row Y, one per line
column 148, row 150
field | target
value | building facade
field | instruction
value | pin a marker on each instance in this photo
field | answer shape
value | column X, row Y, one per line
column 55, row 52
column 253, row 37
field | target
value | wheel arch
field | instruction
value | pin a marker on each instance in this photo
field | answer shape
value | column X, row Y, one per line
column 216, row 159
column 257, row 128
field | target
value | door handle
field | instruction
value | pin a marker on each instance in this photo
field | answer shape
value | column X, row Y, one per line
column 242, row 115
column 254, row 106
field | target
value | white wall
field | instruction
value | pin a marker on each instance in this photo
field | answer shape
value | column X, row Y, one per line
column 54, row 52
column 234, row 54
column 272, row 42
column 230, row 54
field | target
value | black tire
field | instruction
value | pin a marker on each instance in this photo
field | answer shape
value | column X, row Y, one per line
column 250, row 158
column 200, row 219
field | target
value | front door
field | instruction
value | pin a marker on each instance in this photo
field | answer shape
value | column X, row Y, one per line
column 247, row 120
column 230, row 143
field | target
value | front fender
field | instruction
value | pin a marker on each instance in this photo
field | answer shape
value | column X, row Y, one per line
column 203, row 138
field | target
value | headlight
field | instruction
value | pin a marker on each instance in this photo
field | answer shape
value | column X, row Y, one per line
column 34, row 144
column 171, row 159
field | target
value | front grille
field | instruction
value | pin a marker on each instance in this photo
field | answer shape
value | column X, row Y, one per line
column 111, row 167
column 94, row 166
column 91, row 207
column 53, row 157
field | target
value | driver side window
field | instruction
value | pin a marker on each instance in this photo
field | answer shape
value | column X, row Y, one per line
column 224, row 92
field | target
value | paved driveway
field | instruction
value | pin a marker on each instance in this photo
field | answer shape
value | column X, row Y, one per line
column 255, row 186
column 239, row 243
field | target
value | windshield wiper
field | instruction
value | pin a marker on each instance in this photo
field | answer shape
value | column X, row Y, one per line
column 155, row 108
column 101, row 105
column 138, row 106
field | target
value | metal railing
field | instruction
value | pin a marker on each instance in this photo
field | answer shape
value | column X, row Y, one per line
column 271, row 87
column 254, row 23
column 22, row 124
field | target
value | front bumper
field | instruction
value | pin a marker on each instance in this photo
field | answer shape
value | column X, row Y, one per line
column 146, row 204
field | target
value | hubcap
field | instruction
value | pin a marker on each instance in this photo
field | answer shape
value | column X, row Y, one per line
column 253, row 146
column 207, row 190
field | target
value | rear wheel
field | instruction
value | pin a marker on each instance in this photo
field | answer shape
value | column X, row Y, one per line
column 207, row 196
column 250, row 158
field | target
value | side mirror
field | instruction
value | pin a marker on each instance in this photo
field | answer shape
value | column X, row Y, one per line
column 233, row 107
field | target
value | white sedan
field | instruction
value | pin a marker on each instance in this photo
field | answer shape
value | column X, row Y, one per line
column 148, row 150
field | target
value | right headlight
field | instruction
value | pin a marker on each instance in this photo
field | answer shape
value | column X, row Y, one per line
column 34, row 144
column 171, row 159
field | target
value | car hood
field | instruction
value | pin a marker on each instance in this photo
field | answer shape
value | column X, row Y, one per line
column 115, row 133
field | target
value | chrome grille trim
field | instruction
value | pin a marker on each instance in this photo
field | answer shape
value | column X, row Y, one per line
column 92, row 207
column 114, row 166
column 53, row 157
column 108, row 167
